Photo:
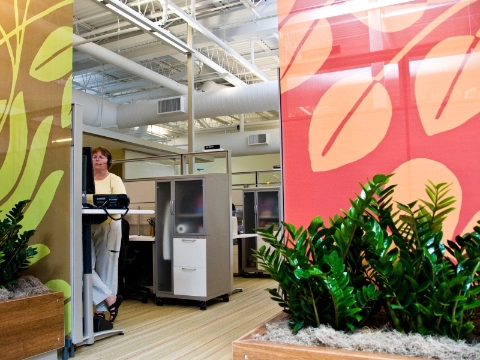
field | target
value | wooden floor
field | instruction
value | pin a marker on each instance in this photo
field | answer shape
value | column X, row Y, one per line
column 180, row 330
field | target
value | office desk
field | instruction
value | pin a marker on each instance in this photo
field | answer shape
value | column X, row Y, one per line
column 145, row 244
column 141, row 238
column 90, row 217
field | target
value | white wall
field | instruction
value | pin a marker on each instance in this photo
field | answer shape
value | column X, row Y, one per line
column 146, row 169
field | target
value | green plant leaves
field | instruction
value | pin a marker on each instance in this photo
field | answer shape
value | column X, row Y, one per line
column 14, row 245
column 378, row 257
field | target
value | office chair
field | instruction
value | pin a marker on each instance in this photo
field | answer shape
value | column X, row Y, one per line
column 134, row 272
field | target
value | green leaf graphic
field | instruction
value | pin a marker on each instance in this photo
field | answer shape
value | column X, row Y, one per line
column 40, row 204
column 67, row 104
column 54, row 59
column 33, row 167
column 61, row 285
column 42, row 251
column 17, row 148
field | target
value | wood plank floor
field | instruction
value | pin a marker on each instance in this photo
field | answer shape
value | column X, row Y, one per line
column 180, row 330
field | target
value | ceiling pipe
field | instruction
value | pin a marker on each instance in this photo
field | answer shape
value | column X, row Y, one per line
column 113, row 58
column 110, row 57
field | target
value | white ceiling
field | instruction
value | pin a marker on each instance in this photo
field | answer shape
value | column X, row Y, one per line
column 239, row 33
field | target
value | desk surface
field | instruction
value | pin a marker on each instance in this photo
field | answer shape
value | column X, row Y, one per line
column 117, row 211
column 141, row 238
column 243, row 236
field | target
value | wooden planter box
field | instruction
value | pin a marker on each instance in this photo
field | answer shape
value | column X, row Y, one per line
column 31, row 325
column 251, row 349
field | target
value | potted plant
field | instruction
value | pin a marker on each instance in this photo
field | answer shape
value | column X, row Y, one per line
column 378, row 260
column 14, row 248
column 33, row 324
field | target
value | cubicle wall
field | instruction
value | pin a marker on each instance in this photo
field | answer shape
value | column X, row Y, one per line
column 142, row 197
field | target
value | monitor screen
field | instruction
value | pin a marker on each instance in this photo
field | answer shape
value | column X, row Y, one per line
column 88, row 182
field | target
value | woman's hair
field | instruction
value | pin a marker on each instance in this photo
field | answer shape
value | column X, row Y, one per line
column 104, row 152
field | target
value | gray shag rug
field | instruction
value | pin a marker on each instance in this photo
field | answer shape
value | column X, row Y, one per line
column 379, row 341
column 26, row 286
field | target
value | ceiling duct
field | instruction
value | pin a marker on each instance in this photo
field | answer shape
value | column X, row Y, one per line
column 171, row 105
column 257, row 139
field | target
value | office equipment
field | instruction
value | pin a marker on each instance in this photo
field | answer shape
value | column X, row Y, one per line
column 193, row 238
column 111, row 201
column 88, row 181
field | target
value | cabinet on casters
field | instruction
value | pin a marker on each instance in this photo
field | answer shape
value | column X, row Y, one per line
column 261, row 208
column 192, row 235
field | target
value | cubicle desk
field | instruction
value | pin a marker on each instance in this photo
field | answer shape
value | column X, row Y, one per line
column 90, row 217
column 243, row 267
column 146, row 243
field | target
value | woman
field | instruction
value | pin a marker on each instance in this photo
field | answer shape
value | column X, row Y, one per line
column 106, row 240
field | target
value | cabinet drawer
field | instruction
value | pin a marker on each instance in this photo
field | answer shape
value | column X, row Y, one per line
column 191, row 281
column 190, row 252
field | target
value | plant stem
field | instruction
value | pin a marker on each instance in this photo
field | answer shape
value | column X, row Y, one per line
column 393, row 316
column 314, row 305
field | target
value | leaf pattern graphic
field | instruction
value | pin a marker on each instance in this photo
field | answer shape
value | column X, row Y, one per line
column 67, row 104
column 63, row 286
column 42, row 251
column 393, row 18
column 36, row 155
column 472, row 223
column 17, row 147
column 284, row 7
column 365, row 111
column 54, row 59
column 411, row 178
column 302, row 39
column 3, row 107
column 446, row 102
column 42, row 200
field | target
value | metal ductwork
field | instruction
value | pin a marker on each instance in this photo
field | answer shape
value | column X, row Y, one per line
column 96, row 111
column 230, row 101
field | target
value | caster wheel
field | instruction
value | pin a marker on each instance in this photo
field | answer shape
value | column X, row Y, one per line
column 226, row 298
column 203, row 305
column 159, row 301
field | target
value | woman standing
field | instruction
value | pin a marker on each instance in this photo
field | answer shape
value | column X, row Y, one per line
column 106, row 240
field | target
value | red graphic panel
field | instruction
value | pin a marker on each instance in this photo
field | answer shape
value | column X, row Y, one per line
column 379, row 90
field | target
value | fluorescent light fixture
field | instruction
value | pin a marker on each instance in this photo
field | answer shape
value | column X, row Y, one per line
column 126, row 12
column 61, row 140
column 162, row 37
column 128, row 17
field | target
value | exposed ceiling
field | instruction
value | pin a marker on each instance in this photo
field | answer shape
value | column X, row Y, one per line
column 235, row 43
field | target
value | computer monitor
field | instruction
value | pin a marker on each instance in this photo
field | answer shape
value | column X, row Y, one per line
column 88, row 181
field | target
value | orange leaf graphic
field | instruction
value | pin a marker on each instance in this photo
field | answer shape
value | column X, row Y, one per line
column 413, row 175
column 350, row 120
column 472, row 223
column 301, row 40
column 283, row 8
column 446, row 102
column 392, row 18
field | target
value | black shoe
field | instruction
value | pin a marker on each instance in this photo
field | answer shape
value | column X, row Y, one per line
column 100, row 324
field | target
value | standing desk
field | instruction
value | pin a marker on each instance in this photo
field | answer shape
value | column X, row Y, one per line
column 90, row 217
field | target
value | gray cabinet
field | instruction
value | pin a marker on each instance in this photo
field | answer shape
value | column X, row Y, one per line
column 192, row 238
column 261, row 208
